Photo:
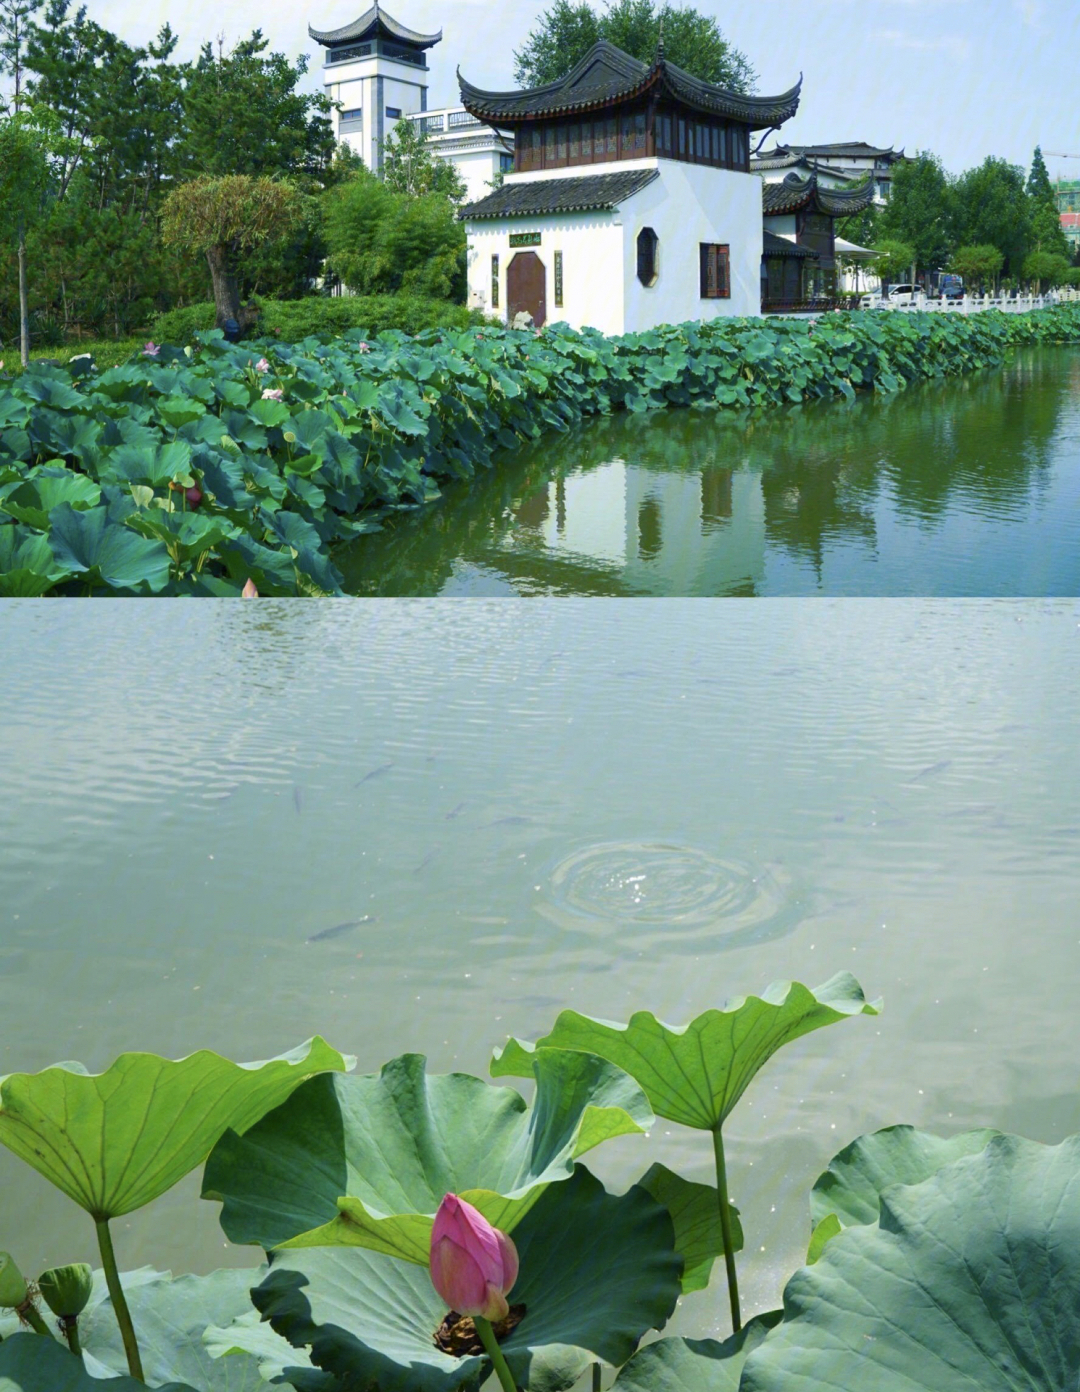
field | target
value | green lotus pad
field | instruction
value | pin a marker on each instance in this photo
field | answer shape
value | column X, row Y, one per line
column 365, row 1160
column 695, row 1075
column 32, row 1363
column 695, row 1365
column 597, row 1272
column 850, row 1190
column 967, row 1283
column 116, row 1140
column 695, row 1211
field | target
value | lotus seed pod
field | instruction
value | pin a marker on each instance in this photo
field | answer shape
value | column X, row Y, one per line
column 66, row 1289
column 13, row 1290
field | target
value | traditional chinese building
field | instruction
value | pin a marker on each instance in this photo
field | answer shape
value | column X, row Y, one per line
column 376, row 73
column 800, row 255
column 631, row 202
column 836, row 166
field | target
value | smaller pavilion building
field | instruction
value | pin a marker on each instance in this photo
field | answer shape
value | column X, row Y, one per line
column 836, row 166
column 631, row 202
column 800, row 255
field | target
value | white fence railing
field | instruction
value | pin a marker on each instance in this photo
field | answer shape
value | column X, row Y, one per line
column 973, row 304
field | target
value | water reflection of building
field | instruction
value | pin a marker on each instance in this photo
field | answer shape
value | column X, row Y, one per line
column 664, row 533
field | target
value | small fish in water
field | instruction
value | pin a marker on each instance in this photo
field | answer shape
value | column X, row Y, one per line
column 340, row 928
column 298, row 799
column 508, row 821
column 933, row 769
column 457, row 811
column 427, row 860
column 375, row 773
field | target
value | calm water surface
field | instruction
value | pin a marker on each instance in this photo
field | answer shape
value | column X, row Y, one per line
column 965, row 487
column 611, row 807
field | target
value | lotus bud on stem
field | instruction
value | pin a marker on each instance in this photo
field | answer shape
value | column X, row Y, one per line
column 473, row 1267
column 15, row 1294
column 66, row 1290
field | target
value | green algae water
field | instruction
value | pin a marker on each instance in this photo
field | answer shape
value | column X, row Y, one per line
column 425, row 826
column 969, row 486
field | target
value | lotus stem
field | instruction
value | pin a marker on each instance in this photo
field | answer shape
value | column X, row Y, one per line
column 725, row 1228
column 70, row 1326
column 28, row 1311
column 495, row 1353
column 596, row 1377
column 119, row 1300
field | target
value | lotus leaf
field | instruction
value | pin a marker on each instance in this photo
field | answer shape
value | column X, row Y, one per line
column 967, row 1283
column 27, row 564
column 170, row 1317
column 250, row 1337
column 850, row 1190
column 31, row 1363
column 116, row 1140
column 597, row 1272
column 88, row 543
column 696, row 1074
column 695, row 1211
column 366, row 1160
column 696, row 1365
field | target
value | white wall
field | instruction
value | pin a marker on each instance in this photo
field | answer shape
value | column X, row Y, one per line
column 355, row 84
column 687, row 205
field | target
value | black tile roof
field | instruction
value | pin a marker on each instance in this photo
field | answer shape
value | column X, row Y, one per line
column 374, row 23
column 845, row 149
column 780, row 246
column 607, row 76
column 536, row 197
column 792, row 195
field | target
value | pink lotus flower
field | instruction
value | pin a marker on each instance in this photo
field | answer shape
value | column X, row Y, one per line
column 249, row 591
column 151, row 350
column 473, row 1265
column 272, row 394
column 262, row 365
column 363, row 348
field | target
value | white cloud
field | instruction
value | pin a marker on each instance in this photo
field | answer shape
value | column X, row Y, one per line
column 947, row 43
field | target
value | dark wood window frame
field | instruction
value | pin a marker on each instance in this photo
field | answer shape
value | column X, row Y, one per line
column 715, row 270
column 632, row 133
column 648, row 261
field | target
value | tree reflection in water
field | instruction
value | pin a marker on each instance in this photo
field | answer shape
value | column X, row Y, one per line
column 962, row 487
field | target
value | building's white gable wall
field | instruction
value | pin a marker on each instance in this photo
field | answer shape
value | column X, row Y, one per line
column 782, row 225
column 686, row 205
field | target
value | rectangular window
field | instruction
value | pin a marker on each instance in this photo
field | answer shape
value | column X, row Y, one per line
column 549, row 147
column 560, row 144
column 575, row 142
column 506, row 163
column 665, row 134
column 611, row 138
column 715, row 271
column 714, row 143
column 586, row 142
column 532, row 150
column 558, row 281
column 494, row 282
column 682, row 138
column 393, row 113
column 723, row 145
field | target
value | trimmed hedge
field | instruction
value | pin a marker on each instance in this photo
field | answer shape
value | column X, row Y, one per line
column 323, row 317
column 190, row 471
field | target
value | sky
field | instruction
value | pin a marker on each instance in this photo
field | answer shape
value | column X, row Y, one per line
column 965, row 78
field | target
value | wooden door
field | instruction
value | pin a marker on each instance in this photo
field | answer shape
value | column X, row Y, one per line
column 526, row 287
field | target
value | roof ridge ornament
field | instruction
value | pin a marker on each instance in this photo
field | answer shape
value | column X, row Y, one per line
column 660, row 40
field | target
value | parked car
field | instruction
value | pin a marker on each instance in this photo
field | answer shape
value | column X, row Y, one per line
column 906, row 294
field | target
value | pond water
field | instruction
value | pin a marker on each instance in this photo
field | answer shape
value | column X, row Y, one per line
column 963, row 487
column 523, row 807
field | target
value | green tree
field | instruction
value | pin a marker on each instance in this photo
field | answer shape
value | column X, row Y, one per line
column 1047, row 268
column 221, row 219
column 16, row 21
column 409, row 166
column 384, row 242
column 918, row 211
column 692, row 40
column 893, row 260
column 991, row 207
column 24, row 186
column 244, row 113
column 1047, row 233
column 977, row 265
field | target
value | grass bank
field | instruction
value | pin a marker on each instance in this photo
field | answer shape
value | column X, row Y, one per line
column 191, row 471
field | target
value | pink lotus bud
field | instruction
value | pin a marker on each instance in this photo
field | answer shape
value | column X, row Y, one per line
column 249, row 591
column 194, row 496
column 473, row 1265
column 262, row 365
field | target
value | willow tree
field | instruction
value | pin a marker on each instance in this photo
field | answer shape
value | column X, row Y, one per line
column 221, row 219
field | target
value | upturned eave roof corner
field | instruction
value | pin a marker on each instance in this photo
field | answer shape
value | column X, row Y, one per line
column 607, row 76
column 794, row 195
column 374, row 22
